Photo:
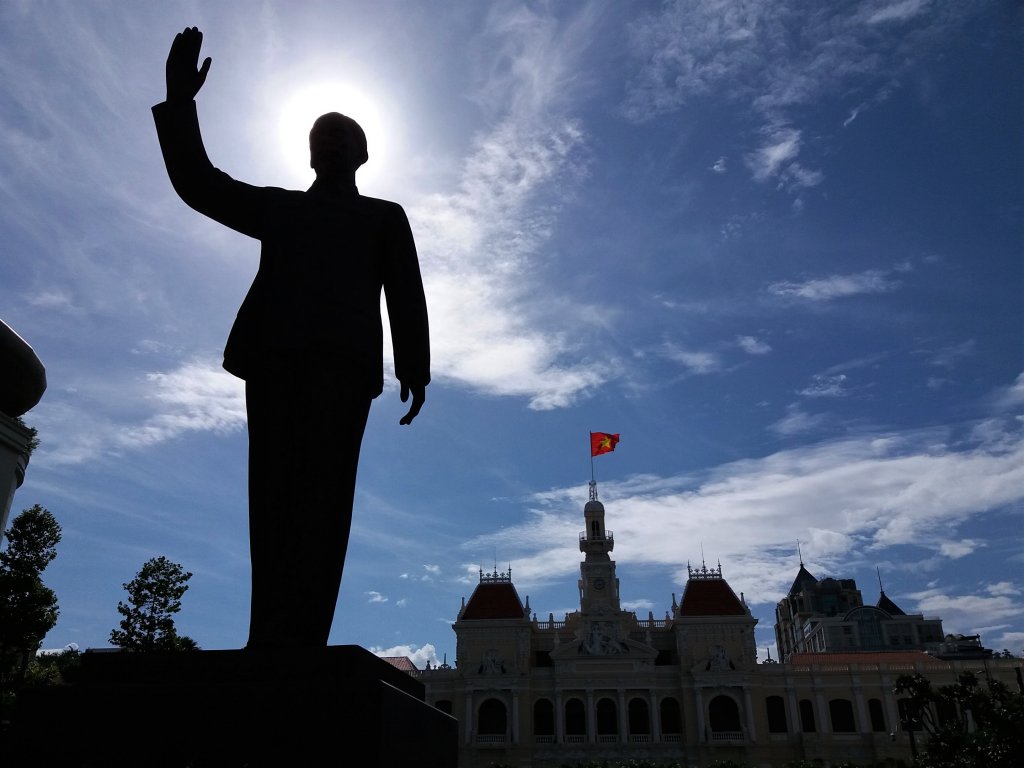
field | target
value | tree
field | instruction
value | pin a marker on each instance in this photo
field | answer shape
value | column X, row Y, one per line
column 28, row 608
column 154, row 596
column 968, row 724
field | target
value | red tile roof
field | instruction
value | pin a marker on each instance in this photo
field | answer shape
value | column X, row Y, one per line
column 710, row 597
column 493, row 601
column 403, row 663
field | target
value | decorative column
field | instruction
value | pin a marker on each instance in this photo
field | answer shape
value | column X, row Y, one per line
column 655, row 718
column 623, row 718
column 863, row 722
column 469, row 719
column 824, row 721
column 515, row 717
column 591, row 718
column 702, row 735
column 559, row 718
column 751, row 733
column 794, row 709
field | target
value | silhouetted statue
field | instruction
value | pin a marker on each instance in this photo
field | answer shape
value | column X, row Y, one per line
column 308, row 341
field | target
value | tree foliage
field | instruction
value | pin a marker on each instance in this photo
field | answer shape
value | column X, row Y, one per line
column 154, row 596
column 28, row 608
column 33, row 440
column 968, row 724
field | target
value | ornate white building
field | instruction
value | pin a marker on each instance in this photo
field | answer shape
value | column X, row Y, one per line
column 604, row 684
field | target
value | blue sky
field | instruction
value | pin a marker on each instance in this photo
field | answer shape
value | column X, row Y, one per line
column 775, row 245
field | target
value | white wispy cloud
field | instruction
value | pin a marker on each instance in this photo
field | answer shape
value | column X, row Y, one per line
column 826, row 386
column 1012, row 395
column 420, row 655
column 753, row 346
column 782, row 146
column 880, row 12
column 479, row 244
column 431, row 573
column 836, row 286
column 958, row 548
column 375, row 597
column 742, row 52
column 52, row 300
column 693, row 361
column 967, row 614
column 843, row 500
column 197, row 397
column 950, row 356
column 797, row 421
column 88, row 422
column 1003, row 588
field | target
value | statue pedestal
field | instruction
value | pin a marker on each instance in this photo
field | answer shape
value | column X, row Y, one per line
column 339, row 705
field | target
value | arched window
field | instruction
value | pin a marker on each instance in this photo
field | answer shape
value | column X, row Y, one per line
column 807, row 716
column 877, row 715
column 724, row 714
column 776, row 708
column 671, row 716
column 841, row 713
column 491, row 718
column 607, row 718
column 543, row 718
column 444, row 705
column 639, row 717
column 575, row 718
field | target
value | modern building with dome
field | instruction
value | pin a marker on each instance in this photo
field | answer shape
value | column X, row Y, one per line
column 603, row 683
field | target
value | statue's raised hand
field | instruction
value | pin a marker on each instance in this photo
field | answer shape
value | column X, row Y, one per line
column 184, row 76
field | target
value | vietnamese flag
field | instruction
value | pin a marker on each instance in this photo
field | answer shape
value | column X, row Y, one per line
column 602, row 442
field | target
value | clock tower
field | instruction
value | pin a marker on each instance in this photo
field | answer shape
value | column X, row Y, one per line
column 599, row 588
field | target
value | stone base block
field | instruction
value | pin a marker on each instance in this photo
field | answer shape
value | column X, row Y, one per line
column 336, row 706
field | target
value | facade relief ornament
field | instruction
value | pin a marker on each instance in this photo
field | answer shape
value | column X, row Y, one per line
column 601, row 639
column 492, row 663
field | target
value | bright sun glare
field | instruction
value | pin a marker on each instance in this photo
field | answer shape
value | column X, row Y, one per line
column 308, row 103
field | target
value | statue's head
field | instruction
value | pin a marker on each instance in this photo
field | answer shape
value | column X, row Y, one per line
column 337, row 145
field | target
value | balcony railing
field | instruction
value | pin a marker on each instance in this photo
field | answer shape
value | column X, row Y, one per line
column 727, row 736
column 490, row 738
column 607, row 536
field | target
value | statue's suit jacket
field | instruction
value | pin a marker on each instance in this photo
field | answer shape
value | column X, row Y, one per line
column 325, row 257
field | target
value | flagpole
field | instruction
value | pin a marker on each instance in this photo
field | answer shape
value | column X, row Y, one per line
column 592, row 480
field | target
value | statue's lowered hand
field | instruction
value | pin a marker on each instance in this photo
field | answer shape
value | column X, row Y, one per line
column 418, row 396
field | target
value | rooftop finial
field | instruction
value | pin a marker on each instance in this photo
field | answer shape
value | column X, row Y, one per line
column 799, row 553
column 880, row 587
column 593, row 490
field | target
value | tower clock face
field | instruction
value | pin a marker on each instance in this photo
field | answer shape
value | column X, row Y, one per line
column 599, row 583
